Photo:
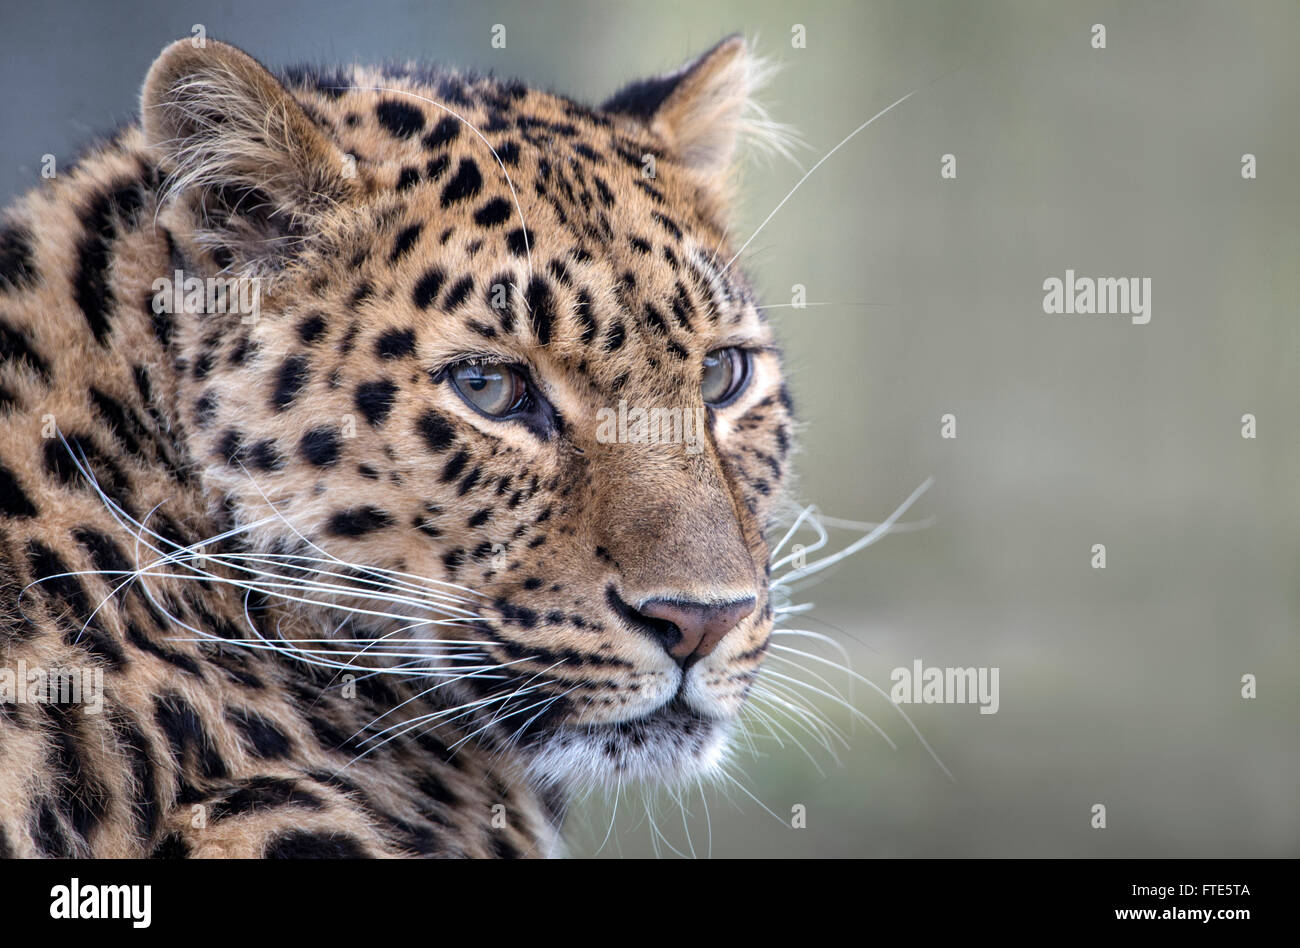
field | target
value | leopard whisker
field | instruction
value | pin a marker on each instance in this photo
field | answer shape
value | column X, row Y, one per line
column 269, row 587
column 184, row 553
column 420, row 586
column 330, row 556
column 686, row 827
column 391, row 641
column 804, row 304
column 752, row 710
column 524, row 688
column 310, row 585
column 806, row 718
column 817, row 637
column 654, row 826
column 803, row 515
column 743, row 732
column 409, row 726
column 273, row 590
column 733, row 781
column 473, row 707
column 808, row 671
column 372, row 672
column 451, row 679
column 513, row 740
column 708, row 820
column 870, row 684
column 393, row 585
column 188, row 557
column 771, row 720
column 858, row 714
column 809, row 173
column 784, row 581
column 541, row 705
column 801, row 717
column 613, row 816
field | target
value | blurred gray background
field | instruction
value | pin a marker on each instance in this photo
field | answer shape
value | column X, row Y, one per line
column 1118, row 686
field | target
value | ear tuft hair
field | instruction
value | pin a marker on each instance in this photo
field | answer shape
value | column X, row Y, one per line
column 706, row 106
column 221, row 124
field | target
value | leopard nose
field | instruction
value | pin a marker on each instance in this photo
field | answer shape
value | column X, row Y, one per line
column 701, row 626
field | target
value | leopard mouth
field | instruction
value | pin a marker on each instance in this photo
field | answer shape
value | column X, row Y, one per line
column 672, row 743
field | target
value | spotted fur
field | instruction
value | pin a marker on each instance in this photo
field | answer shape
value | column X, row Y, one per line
column 320, row 447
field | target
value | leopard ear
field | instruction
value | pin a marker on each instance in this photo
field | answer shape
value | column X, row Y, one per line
column 700, row 109
column 238, row 147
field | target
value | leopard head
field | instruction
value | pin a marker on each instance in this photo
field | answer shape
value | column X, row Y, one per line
column 505, row 412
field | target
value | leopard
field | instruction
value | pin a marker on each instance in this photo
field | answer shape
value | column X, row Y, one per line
column 350, row 561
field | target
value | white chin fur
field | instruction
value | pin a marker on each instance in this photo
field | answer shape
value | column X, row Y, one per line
column 660, row 752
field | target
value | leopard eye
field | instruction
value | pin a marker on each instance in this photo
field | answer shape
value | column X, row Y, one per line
column 495, row 389
column 725, row 373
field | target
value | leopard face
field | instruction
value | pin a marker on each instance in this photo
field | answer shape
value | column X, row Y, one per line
column 473, row 299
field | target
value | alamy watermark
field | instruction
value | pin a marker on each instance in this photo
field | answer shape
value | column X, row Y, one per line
column 58, row 685
column 1103, row 296
column 211, row 295
column 921, row 685
column 637, row 425
column 75, row 901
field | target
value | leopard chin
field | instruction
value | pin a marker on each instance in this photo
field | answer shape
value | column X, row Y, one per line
column 673, row 744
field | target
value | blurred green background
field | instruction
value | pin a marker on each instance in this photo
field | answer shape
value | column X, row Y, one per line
column 1118, row 686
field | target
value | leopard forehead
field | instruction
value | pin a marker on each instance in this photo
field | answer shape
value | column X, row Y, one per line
column 523, row 219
